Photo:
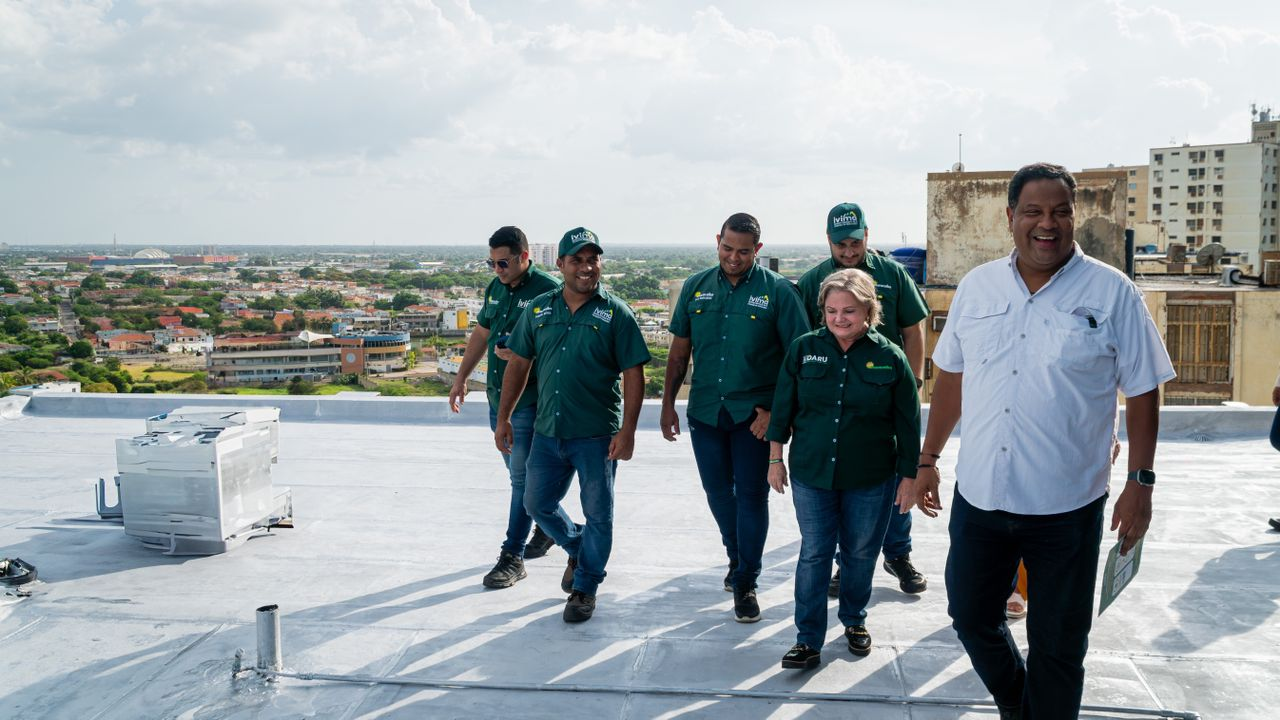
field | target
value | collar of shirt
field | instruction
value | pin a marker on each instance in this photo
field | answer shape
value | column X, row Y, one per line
column 1077, row 257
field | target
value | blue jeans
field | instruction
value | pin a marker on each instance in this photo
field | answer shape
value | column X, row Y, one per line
column 518, row 521
column 1061, row 555
column 734, row 468
column 552, row 463
column 897, row 539
column 857, row 518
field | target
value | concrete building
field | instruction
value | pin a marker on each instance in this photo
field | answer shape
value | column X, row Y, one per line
column 1227, row 193
column 1137, row 179
column 544, row 254
column 311, row 356
column 44, row 324
column 179, row 339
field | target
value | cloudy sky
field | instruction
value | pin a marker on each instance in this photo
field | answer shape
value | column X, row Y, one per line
column 436, row 121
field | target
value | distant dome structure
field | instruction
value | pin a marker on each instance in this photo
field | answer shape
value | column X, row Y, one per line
column 152, row 254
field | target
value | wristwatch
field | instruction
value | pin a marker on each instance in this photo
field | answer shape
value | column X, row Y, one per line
column 1146, row 478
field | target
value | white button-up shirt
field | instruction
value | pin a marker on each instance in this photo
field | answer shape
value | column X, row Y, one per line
column 1038, row 398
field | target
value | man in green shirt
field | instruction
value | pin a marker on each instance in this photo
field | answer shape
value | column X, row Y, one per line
column 903, row 313
column 577, row 341
column 736, row 320
column 517, row 281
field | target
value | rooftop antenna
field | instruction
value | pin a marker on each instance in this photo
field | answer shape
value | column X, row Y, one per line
column 959, row 166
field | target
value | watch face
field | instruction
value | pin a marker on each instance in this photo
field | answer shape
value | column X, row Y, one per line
column 1144, row 477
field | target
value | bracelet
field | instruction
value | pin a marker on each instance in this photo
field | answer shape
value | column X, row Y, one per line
column 774, row 461
column 932, row 455
column 925, row 465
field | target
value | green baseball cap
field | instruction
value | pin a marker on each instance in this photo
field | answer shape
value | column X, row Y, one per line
column 846, row 220
column 576, row 239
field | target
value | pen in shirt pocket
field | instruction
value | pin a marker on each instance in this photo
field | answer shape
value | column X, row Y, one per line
column 1087, row 314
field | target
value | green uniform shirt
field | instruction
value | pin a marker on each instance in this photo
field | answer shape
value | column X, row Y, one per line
column 901, row 303
column 854, row 414
column 503, row 305
column 577, row 358
column 739, row 335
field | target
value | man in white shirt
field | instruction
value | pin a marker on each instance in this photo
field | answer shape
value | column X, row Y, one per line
column 1035, row 348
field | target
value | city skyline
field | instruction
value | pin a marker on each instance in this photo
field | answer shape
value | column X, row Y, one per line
column 334, row 123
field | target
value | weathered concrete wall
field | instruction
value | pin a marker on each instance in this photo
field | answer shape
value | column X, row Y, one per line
column 1257, row 347
column 967, row 225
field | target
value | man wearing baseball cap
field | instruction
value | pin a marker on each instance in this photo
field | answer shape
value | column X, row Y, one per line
column 577, row 341
column 517, row 281
column 903, row 312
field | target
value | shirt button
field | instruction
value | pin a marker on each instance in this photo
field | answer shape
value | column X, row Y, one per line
column 1006, row 409
column 841, row 384
column 1015, row 372
column 558, row 370
column 833, row 459
column 833, row 439
column 1003, row 449
column 1023, row 336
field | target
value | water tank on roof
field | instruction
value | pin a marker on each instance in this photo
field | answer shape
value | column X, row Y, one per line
column 913, row 258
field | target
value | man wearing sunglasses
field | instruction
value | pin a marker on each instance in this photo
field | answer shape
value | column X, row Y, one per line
column 516, row 282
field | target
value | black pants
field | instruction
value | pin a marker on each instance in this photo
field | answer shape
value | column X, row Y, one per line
column 1061, row 554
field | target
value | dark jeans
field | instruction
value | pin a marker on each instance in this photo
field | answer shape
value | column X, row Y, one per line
column 1061, row 554
column 1275, row 430
column 734, row 468
column 518, row 521
column 552, row 464
column 897, row 539
column 858, row 519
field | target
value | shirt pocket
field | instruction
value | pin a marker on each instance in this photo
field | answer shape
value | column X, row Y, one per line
column 813, row 383
column 981, row 328
column 873, row 393
column 1078, row 337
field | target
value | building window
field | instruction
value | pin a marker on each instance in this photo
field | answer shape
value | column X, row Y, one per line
column 1155, row 208
column 1132, row 199
column 1157, row 191
column 1219, row 154
column 1133, row 186
column 1131, row 213
column 1158, row 158
column 1133, row 173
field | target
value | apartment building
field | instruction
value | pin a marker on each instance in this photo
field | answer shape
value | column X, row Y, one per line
column 1226, row 193
column 237, row 360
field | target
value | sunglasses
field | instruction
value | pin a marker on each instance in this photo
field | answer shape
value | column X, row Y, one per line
column 503, row 264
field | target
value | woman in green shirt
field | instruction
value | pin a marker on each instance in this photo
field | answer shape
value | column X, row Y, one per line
column 846, row 399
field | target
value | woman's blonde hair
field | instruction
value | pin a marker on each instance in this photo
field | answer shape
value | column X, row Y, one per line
column 857, row 283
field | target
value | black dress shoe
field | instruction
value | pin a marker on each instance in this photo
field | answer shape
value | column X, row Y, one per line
column 859, row 639
column 801, row 657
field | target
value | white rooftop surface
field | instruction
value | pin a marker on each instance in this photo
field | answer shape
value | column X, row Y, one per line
column 396, row 524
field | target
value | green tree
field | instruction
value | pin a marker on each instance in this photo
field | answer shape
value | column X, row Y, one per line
column 15, row 324
column 298, row 386
column 98, row 387
column 404, row 299
column 308, row 273
column 80, row 349
column 257, row 325
column 93, row 282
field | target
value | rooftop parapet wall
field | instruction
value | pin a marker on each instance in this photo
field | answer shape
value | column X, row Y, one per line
column 967, row 226
column 1176, row 423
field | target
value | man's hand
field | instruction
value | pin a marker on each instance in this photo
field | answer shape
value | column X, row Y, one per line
column 622, row 445
column 503, row 436
column 503, row 353
column 906, row 495
column 1132, row 515
column 457, row 394
column 778, row 477
column 926, row 489
column 669, row 421
column 761, row 423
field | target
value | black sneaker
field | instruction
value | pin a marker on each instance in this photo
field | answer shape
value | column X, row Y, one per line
column 801, row 657
column 728, row 578
column 1274, row 523
column 833, row 587
column 909, row 578
column 566, row 582
column 508, row 571
column 538, row 545
column 859, row 639
column 745, row 607
column 580, row 607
